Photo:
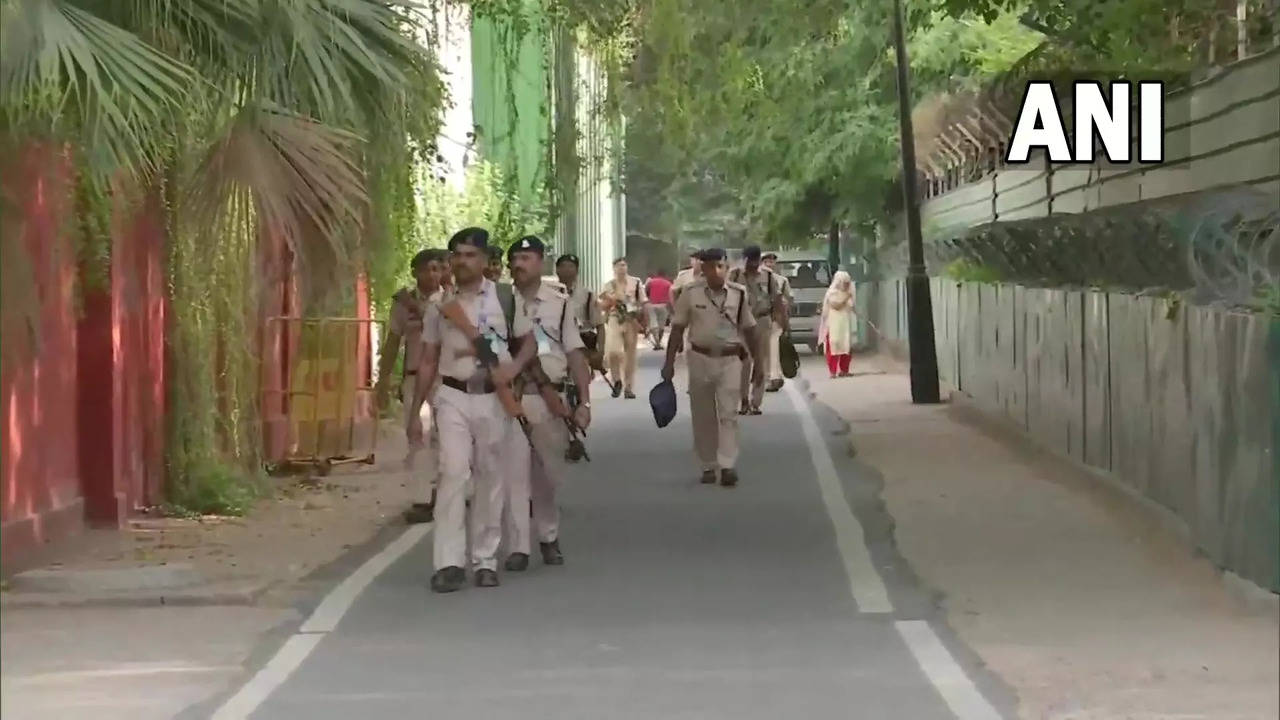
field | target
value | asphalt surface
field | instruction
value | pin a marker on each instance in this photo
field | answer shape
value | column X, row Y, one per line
column 677, row 600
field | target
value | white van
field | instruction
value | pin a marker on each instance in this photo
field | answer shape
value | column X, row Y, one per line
column 809, row 274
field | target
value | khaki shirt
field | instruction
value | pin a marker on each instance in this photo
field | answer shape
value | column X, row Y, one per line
column 485, row 312
column 631, row 293
column 407, row 318
column 549, row 317
column 585, row 309
column 762, row 289
column 714, row 319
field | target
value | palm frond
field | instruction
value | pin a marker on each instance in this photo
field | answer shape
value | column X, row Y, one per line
column 64, row 67
column 300, row 174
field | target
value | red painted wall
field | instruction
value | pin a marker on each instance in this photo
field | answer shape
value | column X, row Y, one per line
column 42, row 498
column 84, row 408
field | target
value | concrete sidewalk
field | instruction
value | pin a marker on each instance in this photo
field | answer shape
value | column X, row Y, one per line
column 141, row 623
column 1085, row 604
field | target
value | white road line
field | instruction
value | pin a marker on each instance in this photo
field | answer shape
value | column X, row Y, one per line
column 959, row 692
column 339, row 600
column 321, row 621
column 865, row 583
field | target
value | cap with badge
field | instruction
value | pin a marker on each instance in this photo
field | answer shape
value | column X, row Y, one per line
column 771, row 255
column 528, row 243
column 473, row 236
column 712, row 255
column 568, row 258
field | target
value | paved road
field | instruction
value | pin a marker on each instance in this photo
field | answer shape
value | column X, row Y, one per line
column 678, row 600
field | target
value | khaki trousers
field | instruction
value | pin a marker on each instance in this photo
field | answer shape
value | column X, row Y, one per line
column 752, row 393
column 534, row 477
column 775, row 362
column 423, row 467
column 623, row 365
column 714, row 392
column 473, row 430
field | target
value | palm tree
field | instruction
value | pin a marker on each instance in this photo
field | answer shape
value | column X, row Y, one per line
column 256, row 121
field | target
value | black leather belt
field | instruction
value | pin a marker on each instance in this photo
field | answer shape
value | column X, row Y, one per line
column 462, row 386
column 726, row 351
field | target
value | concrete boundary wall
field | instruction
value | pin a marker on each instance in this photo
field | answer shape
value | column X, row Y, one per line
column 1181, row 405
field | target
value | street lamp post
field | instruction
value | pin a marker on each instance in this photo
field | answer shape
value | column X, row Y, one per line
column 924, row 354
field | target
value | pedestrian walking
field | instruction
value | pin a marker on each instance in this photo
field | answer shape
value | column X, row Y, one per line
column 472, row 422
column 764, row 302
column 770, row 260
column 658, row 290
column 836, row 328
column 716, row 315
column 408, row 312
column 585, row 307
column 683, row 278
column 625, row 296
column 558, row 372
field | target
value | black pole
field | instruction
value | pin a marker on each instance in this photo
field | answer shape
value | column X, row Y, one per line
column 833, row 246
column 924, row 353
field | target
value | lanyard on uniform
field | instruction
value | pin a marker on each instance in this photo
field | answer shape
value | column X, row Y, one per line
column 720, row 306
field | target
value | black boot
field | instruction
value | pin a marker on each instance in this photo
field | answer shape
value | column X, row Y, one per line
column 551, row 554
column 709, row 477
column 728, row 477
column 487, row 578
column 419, row 513
column 449, row 579
column 517, row 562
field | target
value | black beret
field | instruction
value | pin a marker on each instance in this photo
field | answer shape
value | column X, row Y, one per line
column 473, row 236
column 569, row 258
column 711, row 255
column 751, row 252
column 528, row 243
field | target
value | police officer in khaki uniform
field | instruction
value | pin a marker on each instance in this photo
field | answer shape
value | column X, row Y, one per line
column 721, row 327
column 584, row 304
column 625, row 293
column 471, row 421
column 764, row 298
column 543, row 311
column 408, row 312
column 770, row 261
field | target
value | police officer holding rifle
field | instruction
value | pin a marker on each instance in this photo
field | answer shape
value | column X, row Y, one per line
column 466, row 346
column 545, row 317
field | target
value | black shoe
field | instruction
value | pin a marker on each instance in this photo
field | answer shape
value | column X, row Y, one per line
column 755, row 411
column 449, row 579
column 551, row 554
column 744, row 410
column 773, row 386
column 487, row 578
column 708, row 477
column 517, row 562
column 617, row 388
column 419, row 513
column 629, row 395
column 728, row 477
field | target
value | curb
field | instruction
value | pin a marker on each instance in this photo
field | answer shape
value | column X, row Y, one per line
column 244, row 593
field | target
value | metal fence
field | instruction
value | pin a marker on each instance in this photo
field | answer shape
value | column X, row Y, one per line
column 319, row 409
column 1181, row 405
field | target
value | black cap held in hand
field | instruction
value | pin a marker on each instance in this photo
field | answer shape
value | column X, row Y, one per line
column 475, row 237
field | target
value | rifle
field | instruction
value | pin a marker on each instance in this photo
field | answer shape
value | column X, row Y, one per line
column 555, row 405
column 455, row 314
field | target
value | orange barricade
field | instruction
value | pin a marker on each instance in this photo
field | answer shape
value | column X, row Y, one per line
column 317, row 392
